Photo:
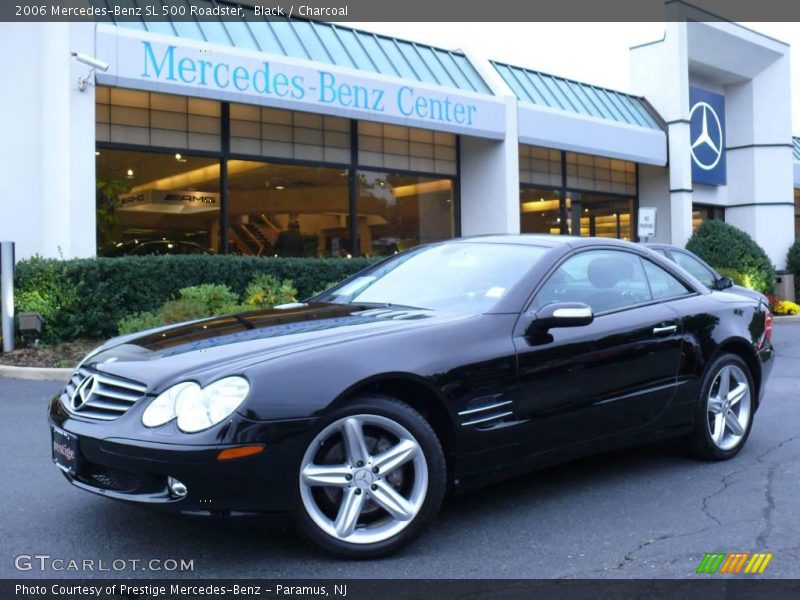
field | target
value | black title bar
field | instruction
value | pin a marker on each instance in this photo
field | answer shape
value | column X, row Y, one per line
column 414, row 589
column 405, row 10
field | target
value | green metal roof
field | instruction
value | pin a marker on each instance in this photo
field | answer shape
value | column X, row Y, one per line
column 317, row 41
column 573, row 96
column 796, row 141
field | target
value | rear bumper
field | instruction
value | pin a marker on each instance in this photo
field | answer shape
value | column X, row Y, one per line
column 135, row 470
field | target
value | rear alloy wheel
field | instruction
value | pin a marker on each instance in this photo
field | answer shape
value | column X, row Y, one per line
column 370, row 479
column 725, row 410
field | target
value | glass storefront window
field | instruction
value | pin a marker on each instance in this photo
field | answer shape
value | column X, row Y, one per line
column 598, row 215
column 154, row 203
column 159, row 120
column 600, row 174
column 395, row 147
column 289, row 179
column 287, row 210
column 705, row 212
column 540, row 211
column 289, row 134
column 539, row 165
column 398, row 211
column 594, row 197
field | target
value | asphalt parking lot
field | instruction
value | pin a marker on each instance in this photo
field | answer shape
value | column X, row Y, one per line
column 644, row 512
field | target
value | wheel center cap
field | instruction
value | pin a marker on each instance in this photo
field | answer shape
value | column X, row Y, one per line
column 363, row 478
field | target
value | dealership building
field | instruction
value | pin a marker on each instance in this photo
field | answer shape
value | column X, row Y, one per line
column 301, row 138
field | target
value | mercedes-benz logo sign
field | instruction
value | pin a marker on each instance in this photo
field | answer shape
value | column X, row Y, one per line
column 83, row 392
column 707, row 148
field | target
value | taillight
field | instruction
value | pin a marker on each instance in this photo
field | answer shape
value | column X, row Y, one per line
column 767, row 326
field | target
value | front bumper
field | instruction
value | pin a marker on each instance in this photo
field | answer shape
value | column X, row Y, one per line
column 114, row 463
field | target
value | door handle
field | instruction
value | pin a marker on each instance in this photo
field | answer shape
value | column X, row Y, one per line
column 665, row 329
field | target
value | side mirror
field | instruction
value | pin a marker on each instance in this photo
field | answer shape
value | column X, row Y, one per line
column 723, row 283
column 561, row 314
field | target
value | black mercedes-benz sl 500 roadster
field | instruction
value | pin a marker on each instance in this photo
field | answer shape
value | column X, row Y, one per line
column 434, row 371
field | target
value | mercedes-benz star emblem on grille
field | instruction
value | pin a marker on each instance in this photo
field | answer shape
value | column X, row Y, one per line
column 83, row 392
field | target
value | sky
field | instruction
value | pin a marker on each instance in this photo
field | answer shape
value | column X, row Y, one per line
column 596, row 53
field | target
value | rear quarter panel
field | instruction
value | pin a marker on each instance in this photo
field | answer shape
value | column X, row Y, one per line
column 711, row 324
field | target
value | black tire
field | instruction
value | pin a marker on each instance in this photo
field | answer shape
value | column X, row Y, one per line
column 428, row 441
column 700, row 443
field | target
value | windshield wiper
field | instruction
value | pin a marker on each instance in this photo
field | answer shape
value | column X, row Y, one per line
column 387, row 305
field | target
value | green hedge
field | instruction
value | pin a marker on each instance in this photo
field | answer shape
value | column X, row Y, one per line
column 724, row 246
column 793, row 265
column 88, row 297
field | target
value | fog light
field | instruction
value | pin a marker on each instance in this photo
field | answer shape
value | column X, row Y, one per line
column 176, row 488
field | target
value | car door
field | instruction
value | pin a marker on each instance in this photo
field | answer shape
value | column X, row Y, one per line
column 614, row 374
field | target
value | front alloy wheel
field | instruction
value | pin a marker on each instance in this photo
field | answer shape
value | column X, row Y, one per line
column 366, row 480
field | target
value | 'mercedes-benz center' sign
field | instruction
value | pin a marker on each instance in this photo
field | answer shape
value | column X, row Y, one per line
column 147, row 61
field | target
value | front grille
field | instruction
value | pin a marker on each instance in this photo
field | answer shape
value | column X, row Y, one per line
column 99, row 396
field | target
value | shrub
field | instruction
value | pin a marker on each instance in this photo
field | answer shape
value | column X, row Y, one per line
column 786, row 307
column 44, row 291
column 267, row 291
column 325, row 287
column 89, row 297
column 200, row 301
column 140, row 322
column 177, row 311
column 736, row 276
column 723, row 246
column 793, row 262
column 212, row 298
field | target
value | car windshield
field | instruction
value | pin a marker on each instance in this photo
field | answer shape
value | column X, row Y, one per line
column 469, row 277
column 696, row 268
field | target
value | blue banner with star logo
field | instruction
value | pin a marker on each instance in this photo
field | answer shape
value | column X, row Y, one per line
column 707, row 136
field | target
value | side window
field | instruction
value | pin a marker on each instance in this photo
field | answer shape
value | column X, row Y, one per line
column 603, row 279
column 662, row 284
column 695, row 267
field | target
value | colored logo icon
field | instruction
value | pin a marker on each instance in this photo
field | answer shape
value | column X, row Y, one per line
column 734, row 563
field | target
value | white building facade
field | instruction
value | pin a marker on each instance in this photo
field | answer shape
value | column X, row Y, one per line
column 311, row 139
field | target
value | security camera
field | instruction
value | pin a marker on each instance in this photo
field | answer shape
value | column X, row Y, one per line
column 94, row 63
column 91, row 61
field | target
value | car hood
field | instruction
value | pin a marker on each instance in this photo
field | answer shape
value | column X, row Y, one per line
column 233, row 342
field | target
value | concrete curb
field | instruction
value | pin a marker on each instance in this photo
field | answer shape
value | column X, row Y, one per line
column 35, row 373
column 785, row 318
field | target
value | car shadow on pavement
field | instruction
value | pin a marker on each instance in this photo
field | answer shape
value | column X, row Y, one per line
column 238, row 546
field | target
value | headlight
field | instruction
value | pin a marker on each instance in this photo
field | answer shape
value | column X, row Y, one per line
column 197, row 408
column 162, row 409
